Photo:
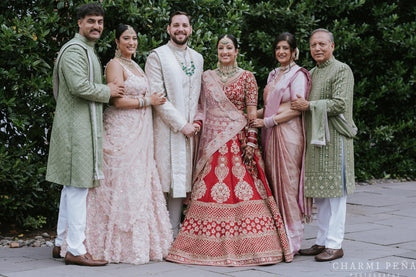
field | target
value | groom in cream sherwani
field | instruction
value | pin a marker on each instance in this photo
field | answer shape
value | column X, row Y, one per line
column 175, row 70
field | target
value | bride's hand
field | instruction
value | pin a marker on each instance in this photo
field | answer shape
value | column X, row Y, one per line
column 248, row 154
column 257, row 123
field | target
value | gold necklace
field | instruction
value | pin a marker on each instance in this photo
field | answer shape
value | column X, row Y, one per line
column 127, row 62
column 226, row 72
column 286, row 67
column 282, row 71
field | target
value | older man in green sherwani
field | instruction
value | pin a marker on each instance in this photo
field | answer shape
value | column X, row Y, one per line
column 330, row 129
column 75, row 153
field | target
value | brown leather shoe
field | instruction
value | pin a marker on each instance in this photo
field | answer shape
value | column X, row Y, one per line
column 89, row 256
column 56, row 252
column 329, row 254
column 314, row 250
column 83, row 260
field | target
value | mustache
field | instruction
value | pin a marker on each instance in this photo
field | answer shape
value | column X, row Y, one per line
column 95, row 30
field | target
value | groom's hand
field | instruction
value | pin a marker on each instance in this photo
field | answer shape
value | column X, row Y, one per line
column 188, row 130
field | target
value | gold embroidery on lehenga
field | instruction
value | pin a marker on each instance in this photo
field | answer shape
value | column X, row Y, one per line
column 243, row 190
column 220, row 192
column 200, row 187
column 223, row 149
column 260, row 188
column 235, row 149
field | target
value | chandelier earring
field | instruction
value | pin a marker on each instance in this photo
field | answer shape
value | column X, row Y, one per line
column 296, row 54
column 118, row 52
column 235, row 61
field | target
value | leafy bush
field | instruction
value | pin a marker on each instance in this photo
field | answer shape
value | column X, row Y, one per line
column 26, row 54
column 376, row 38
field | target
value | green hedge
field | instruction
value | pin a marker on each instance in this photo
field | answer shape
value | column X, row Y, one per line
column 376, row 38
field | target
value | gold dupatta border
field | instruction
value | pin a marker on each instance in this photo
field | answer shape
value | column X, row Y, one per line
column 219, row 109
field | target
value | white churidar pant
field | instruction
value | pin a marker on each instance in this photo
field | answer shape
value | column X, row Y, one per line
column 331, row 216
column 72, row 219
column 331, row 221
column 174, row 206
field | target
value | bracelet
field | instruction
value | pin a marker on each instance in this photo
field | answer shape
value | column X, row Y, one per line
column 252, row 145
column 252, row 137
column 147, row 100
column 199, row 122
column 269, row 122
column 252, row 130
column 141, row 103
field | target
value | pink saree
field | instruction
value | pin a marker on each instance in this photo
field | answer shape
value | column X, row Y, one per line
column 284, row 151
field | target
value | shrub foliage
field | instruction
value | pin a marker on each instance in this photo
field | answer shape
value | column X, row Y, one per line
column 376, row 38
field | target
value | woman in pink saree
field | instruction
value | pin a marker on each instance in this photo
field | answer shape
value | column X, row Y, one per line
column 283, row 137
column 232, row 217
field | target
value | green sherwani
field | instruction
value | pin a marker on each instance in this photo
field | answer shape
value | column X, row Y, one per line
column 75, row 153
column 333, row 87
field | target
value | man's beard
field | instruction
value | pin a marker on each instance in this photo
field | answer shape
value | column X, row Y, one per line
column 179, row 42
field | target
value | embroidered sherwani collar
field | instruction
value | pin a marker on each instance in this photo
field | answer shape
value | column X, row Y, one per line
column 328, row 62
column 176, row 48
column 84, row 40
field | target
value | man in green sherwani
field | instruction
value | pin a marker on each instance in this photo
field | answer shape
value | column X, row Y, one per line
column 330, row 129
column 75, row 153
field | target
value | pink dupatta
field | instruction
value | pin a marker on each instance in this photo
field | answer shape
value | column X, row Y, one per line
column 221, row 119
column 273, row 98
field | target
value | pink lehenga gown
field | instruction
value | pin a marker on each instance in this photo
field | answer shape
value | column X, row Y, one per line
column 232, row 219
column 127, row 219
column 283, row 150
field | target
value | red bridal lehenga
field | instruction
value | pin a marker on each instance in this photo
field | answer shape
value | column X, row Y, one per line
column 233, row 219
column 127, row 219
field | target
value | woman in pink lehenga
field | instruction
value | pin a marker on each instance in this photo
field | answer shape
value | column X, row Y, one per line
column 283, row 137
column 232, row 218
column 127, row 219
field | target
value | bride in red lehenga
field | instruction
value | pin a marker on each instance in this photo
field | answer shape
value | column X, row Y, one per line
column 232, row 218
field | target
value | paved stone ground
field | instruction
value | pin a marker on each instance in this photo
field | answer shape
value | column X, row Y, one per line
column 380, row 241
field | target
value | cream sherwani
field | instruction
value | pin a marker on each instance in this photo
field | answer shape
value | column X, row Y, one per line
column 167, row 73
column 173, row 151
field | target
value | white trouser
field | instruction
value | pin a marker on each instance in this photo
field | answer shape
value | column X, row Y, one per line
column 72, row 215
column 331, row 221
column 331, row 215
column 175, row 206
